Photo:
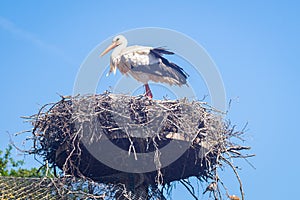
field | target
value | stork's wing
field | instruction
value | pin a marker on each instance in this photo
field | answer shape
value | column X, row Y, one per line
column 158, row 52
column 145, row 63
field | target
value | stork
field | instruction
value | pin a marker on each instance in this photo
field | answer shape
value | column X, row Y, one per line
column 144, row 64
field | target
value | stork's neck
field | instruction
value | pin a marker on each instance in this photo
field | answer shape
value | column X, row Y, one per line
column 118, row 49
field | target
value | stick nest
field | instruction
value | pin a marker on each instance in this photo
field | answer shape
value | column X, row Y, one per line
column 69, row 132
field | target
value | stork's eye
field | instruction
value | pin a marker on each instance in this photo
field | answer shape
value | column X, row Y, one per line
column 118, row 39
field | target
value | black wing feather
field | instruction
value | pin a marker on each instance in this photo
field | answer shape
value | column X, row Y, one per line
column 161, row 50
column 158, row 52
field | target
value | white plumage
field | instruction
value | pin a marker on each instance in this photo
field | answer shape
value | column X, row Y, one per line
column 144, row 64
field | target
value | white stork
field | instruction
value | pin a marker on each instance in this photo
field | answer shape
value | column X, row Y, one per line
column 144, row 64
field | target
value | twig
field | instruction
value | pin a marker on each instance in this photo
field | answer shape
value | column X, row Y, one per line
column 187, row 186
column 236, row 174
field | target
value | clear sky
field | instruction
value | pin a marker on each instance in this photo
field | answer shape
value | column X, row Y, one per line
column 255, row 45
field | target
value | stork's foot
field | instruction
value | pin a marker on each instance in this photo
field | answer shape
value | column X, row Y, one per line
column 148, row 91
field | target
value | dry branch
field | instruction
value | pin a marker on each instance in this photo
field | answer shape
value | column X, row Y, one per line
column 136, row 125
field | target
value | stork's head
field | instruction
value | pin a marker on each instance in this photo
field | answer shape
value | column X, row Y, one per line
column 119, row 40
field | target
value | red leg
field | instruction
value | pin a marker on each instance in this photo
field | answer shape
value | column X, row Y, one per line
column 148, row 91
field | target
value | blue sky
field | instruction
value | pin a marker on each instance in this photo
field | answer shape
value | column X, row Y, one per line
column 254, row 44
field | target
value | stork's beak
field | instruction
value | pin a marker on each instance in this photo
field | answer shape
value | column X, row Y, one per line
column 110, row 47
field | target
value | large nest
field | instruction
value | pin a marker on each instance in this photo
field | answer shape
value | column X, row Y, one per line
column 74, row 133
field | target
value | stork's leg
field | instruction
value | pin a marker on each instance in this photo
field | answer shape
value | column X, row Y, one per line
column 148, row 91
